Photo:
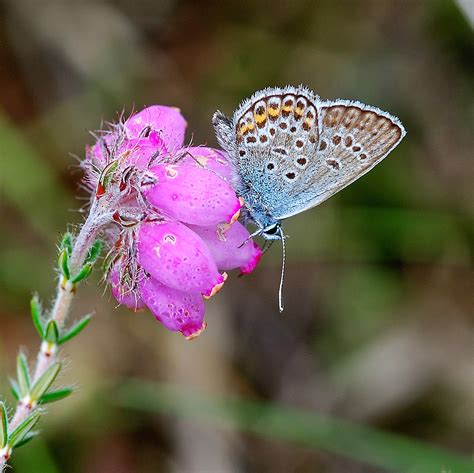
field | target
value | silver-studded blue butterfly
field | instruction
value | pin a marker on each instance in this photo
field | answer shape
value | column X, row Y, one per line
column 291, row 150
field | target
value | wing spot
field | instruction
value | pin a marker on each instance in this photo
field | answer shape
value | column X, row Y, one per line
column 293, row 129
column 348, row 141
column 290, row 175
column 242, row 152
column 280, row 151
column 283, row 126
column 301, row 161
column 263, row 139
column 323, row 145
column 362, row 156
column 333, row 163
column 272, row 131
column 299, row 143
column 356, row 148
column 251, row 139
column 336, row 139
column 270, row 166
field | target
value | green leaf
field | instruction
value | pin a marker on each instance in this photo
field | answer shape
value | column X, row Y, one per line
column 3, row 425
column 45, row 381
column 19, row 434
column 51, row 333
column 75, row 329
column 55, row 395
column 36, row 314
column 66, row 243
column 63, row 263
column 30, row 435
column 83, row 273
column 23, row 374
column 94, row 252
column 15, row 389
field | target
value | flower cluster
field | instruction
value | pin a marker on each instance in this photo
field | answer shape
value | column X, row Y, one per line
column 175, row 218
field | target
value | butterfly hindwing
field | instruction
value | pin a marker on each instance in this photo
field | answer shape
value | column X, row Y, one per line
column 276, row 131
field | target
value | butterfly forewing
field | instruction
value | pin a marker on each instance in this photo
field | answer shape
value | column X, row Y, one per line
column 353, row 138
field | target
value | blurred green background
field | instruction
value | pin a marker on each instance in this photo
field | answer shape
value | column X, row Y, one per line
column 370, row 369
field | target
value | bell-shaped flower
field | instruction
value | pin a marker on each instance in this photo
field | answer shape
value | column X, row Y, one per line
column 176, row 310
column 175, row 256
column 192, row 194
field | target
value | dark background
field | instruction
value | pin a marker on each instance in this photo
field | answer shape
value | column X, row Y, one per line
column 378, row 326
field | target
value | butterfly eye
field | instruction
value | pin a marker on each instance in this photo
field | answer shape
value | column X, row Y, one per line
column 272, row 230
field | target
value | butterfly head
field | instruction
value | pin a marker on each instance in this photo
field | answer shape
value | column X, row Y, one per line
column 272, row 231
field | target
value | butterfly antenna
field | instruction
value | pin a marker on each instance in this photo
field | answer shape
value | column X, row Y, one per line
column 280, row 289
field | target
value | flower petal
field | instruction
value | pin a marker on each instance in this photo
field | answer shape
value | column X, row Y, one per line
column 166, row 121
column 124, row 296
column 177, row 310
column 210, row 158
column 225, row 243
column 175, row 256
column 192, row 194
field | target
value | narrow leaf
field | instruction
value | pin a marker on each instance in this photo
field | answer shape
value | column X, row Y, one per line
column 63, row 263
column 75, row 329
column 66, row 243
column 15, row 389
column 19, row 434
column 36, row 314
column 83, row 273
column 30, row 435
column 51, row 332
column 45, row 381
column 94, row 252
column 3, row 425
column 55, row 395
column 23, row 374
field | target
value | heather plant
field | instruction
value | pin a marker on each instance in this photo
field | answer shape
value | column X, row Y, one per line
column 167, row 217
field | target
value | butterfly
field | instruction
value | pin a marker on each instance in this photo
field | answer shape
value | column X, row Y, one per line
column 291, row 151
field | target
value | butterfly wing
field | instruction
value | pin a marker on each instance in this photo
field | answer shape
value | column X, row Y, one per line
column 353, row 139
column 273, row 135
column 293, row 151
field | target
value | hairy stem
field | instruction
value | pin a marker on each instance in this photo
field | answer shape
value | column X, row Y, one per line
column 48, row 353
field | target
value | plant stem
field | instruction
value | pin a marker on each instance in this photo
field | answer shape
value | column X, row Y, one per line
column 98, row 217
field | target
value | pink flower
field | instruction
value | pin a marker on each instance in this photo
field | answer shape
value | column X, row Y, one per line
column 175, row 216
